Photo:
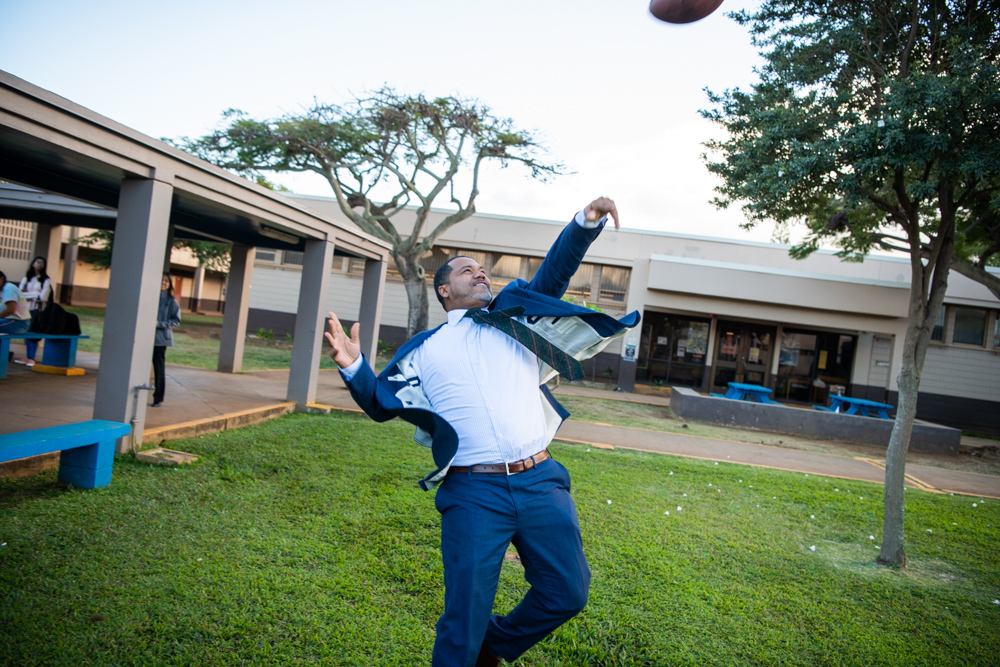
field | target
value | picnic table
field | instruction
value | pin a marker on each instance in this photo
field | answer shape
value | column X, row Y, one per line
column 59, row 352
column 854, row 406
column 749, row 392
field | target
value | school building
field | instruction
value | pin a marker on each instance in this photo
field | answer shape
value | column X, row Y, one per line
column 713, row 310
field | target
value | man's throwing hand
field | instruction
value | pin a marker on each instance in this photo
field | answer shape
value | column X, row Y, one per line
column 344, row 350
column 601, row 207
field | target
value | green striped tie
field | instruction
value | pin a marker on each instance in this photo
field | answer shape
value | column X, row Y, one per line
column 565, row 365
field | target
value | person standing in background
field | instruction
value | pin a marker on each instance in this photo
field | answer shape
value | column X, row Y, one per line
column 168, row 315
column 36, row 288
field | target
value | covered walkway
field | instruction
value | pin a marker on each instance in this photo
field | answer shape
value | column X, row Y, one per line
column 149, row 193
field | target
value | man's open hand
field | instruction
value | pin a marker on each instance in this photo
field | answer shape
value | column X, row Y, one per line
column 601, row 207
column 344, row 350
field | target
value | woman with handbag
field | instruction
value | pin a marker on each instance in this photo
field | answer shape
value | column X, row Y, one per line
column 168, row 315
column 36, row 288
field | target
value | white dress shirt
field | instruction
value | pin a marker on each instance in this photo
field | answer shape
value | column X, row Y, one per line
column 485, row 384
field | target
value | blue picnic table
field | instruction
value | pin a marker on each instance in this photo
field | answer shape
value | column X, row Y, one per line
column 859, row 406
column 749, row 392
column 59, row 350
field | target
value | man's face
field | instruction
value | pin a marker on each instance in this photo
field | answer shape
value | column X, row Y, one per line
column 467, row 286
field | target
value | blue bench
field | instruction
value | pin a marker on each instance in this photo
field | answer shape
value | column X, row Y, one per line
column 88, row 449
column 58, row 351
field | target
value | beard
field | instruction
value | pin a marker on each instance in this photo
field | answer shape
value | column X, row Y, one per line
column 481, row 293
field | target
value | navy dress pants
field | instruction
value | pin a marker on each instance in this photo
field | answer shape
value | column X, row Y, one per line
column 480, row 516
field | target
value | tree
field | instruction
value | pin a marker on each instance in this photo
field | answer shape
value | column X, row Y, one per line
column 380, row 154
column 877, row 124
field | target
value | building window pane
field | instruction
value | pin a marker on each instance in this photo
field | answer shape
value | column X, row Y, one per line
column 293, row 257
column 996, row 331
column 266, row 255
column 614, row 283
column 938, row 332
column 579, row 284
column 970, row 326
column 533, row 264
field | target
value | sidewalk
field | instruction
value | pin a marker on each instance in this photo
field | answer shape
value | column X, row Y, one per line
column 202, row 401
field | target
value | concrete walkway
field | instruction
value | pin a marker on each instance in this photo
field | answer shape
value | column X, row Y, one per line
column 201, row 401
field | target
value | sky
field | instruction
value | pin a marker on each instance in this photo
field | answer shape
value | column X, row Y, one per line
column 611, row 92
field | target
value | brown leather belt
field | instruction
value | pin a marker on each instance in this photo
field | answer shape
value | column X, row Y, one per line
column 503, row 468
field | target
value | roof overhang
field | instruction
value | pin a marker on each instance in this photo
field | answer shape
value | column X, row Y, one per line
column 53, row 145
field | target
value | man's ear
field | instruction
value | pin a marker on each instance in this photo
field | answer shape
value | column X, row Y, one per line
column 444, row 290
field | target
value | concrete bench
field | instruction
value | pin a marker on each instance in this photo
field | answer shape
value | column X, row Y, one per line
column 88, row 449
column 59, row 351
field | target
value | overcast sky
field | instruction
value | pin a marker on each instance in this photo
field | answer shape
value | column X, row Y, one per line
column 611, row 92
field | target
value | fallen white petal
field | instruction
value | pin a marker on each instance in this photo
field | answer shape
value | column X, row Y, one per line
column 836, row 489
column 929, row 530
column 710, row 484
column 678, row 508
column 671, row 472
column 667, row 512
column 975, row 505
column 812, row 516
column 685, row 495
column 871, row 537
column 199, row 560
column 812, row 548
column 716, row 463
column 609, row 502
column 878, row 547
column 996, row 602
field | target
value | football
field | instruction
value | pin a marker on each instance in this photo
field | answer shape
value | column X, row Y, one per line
column 682, row 11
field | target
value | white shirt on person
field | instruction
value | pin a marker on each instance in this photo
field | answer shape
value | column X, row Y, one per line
column 485, row 384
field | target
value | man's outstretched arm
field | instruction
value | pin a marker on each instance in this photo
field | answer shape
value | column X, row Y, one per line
column 359, row 376
column 566, row 254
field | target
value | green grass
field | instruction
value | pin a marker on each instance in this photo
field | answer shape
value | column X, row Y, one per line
column 196, row 343
column 305, row 540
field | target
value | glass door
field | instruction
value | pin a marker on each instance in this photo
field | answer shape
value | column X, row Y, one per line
column 743, row 354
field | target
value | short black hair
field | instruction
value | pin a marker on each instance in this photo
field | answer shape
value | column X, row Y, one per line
column 443, row 275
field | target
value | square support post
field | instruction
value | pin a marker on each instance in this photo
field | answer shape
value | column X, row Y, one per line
column 133, row 298
column 234, row 321
column 370, row 312
column 307, row 344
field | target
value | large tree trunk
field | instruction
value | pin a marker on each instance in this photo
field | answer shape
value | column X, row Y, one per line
column 416, row 293
column 892, row 552
column 926, row 299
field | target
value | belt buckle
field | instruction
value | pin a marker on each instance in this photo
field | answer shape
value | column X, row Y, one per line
column 507, row 467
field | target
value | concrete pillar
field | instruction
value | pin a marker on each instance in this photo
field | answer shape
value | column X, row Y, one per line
column 370, row 313
column 196, row 289
column 133, row 296
column 234, row 319
column 69, row 268
column 48, row 243
column 638, row 279
column 311, row 316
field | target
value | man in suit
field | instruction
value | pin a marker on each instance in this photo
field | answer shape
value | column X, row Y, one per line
column 478, row 399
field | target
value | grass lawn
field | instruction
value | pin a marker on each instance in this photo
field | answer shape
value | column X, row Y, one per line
column 305, row 540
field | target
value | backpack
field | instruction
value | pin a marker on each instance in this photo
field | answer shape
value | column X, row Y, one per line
column 53, row 319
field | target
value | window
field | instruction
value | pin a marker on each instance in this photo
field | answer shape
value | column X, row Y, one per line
column 614, row 283
column 938, row 332
column 970, row 326
column 579, row 284
column 267, row 255
column 996, row 331
column 506, row 268
column 292, row 257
